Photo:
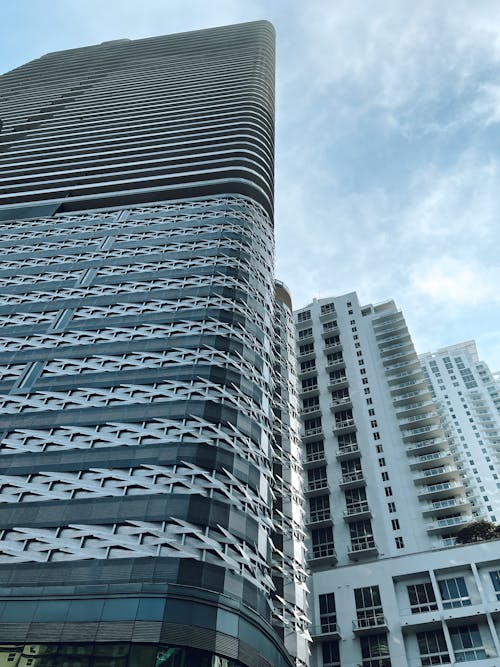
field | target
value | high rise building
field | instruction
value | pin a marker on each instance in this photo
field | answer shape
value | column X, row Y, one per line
column 385, row 497
column 468, row 398
column 137, row 315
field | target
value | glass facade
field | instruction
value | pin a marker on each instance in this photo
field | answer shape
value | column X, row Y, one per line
column 109, row 655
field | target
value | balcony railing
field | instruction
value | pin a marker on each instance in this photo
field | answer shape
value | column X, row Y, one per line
column 313, row 431
column 337, row 381
column 344, row 423
column 356, row 476
column 439, row 488
column 348, row 450
column 356, row 509
column 328, row 630
column 369, row 623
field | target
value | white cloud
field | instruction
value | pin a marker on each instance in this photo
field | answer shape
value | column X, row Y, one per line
column 453, row 282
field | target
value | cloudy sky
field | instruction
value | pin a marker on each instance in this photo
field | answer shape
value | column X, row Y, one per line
column 388, row 136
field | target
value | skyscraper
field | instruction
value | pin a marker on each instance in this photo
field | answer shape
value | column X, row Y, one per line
column 137, row 314
column 385, row 497
column 468, row 397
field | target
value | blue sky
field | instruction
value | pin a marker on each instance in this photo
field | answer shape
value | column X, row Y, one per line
column 388, row 136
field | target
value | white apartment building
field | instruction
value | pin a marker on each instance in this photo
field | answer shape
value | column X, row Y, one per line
column 468, row 397
column 384, row 500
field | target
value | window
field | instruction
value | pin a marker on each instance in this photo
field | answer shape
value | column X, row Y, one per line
column 334, row 357
column 368, row 606
column 422, row 598
column 432, row 648
column 327, row 613
column 355, row 500
column 322, row 542
column 399, row 543
column 379, row 449
column 328, row 326
column 307, row 348
column 454, row 592
column 304, row 315
column 385, row 476
column 381, row 461
column 395, row 524
column 388, row 491
column 371, row 412
column 317, row 478
column 328, row 308
column 331, row 656
column 373, row 423
column 308, row 365
column 391, row 507
column 310, row 383
column 312, row 426
column 315, row 451
column 310, row 404
column 332, row 341
column 351, row 470
column 375, row 651
column 467, row 643
column 361, row 535
column 376, row 435
column 495, row 580
column 319, row 508
column 305, row 333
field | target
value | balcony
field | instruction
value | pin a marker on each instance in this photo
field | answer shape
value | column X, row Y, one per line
column 427, row 446
column 403, row 386
column 334, row 331
column 352, row 480
column 364, row 547
column 437, row 474
column 338, row 383
column 309, row 391
column 335, row 365
column 314, row 460
column 384, row 326
column 322, row 558
column 398, row 335
column 357, row 512
column 344, row 426
column 423, row 418
column 404, row 353
column 325, row 632
column 319, row 520
column 312, row 433
column 306, row 356
column 308, row 371
column 306, row 337
column 451, row 524
column 433, row 430
column 414, row 408
column 316, row 488
column 348, row 452
column 311, row 410
column 337, row 403
column 370, row 624
column 442, row 489
column 444, row 506
column 444, row 457
column 335, row 347
column 403, row 399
